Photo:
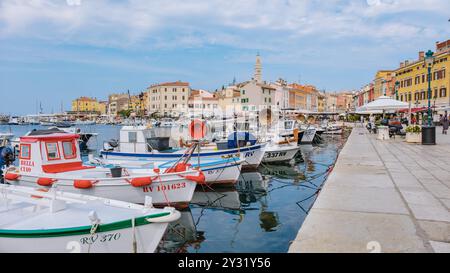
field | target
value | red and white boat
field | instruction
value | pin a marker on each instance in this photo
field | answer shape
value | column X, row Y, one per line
column 54, row 160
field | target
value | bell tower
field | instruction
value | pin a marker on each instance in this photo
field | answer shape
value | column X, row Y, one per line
column 258, row 69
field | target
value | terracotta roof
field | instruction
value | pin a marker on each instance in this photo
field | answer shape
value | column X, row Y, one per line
column 265, row 86
column 177, row 83
column 85, row 99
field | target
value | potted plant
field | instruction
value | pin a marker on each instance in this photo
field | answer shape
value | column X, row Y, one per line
column 413, row 134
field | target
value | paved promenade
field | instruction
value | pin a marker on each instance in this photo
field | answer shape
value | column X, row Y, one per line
column 382, row 196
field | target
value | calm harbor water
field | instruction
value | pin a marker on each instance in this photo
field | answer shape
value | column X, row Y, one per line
column 262, row 213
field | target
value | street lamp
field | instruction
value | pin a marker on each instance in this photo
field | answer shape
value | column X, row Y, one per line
column 429, row 131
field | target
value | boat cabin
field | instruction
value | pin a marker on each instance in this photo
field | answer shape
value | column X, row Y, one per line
column 51, row 153
column 140, row 139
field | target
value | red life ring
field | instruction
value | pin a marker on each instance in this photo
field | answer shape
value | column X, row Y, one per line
column 45, row 181
column 83, row 184
column 141, row 181
column 197, row 129
column 12, row 176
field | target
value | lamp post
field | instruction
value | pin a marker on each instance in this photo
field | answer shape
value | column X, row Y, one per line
column 429, row 131
column 397, row 84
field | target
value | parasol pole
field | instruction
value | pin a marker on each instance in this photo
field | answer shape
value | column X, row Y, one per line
column 409, row 113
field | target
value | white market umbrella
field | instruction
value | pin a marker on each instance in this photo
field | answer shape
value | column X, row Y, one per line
column 384, row 103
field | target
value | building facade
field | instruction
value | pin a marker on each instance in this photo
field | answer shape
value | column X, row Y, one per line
column 86, row 104
column 384, row 83
column 168, row 99
column 413, row 79
column 203, row 103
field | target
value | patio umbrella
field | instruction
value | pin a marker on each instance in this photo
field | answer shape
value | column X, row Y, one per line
column 383, row 103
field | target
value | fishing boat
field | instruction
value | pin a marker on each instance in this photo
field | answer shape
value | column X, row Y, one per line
column 280, row 152
column 139, row 142
column 216, row 170
column 13, row 120
column 32, row 220
column 333, row 129
column 54, row 159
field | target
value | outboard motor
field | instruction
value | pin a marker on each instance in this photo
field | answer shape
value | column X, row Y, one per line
column 7, row 157
column 110, row 145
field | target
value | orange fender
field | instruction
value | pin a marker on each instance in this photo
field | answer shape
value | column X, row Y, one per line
column 12, row 176
column 141, row 181
column 180, row 167
column 83, row 184
column 200, row 178
column 45, row 181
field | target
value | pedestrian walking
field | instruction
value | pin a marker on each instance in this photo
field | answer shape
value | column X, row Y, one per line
column 445, row 123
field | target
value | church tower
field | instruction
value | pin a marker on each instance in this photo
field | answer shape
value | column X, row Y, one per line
column 258, row 69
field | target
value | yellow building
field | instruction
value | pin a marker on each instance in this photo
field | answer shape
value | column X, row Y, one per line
column 383, row 83
column 413, row 79
column 86, row 104
column 321, row 99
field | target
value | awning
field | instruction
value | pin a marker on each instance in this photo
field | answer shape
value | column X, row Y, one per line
column 414, row 110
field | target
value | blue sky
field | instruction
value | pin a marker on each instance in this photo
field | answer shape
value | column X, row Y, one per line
column 52, row 51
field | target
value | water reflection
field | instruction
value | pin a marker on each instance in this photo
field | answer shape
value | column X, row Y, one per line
column 225, row 198
column 181, row 234
column 261, row 213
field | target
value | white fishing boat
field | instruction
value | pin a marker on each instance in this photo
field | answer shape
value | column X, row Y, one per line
column 46, row 160
column 216, row 170
column 333, row 129
column 280, row 152
column 34, row 221
column 138, row 142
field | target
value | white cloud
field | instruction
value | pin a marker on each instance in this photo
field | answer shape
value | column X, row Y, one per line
column 195, row 23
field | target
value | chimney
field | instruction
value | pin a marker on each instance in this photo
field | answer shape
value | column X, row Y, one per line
column 401, row 64
column 421, row 55
column 406, row 63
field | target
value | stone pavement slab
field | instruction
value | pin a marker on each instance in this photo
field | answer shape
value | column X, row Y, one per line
column 391, row 195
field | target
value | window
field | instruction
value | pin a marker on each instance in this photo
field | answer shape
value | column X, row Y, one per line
column 52, row 150
column 132, row 137
column 69, row 149
column 25, row 151
column 443, row 92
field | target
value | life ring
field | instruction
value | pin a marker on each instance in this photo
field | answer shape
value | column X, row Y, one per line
column 197, row 129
